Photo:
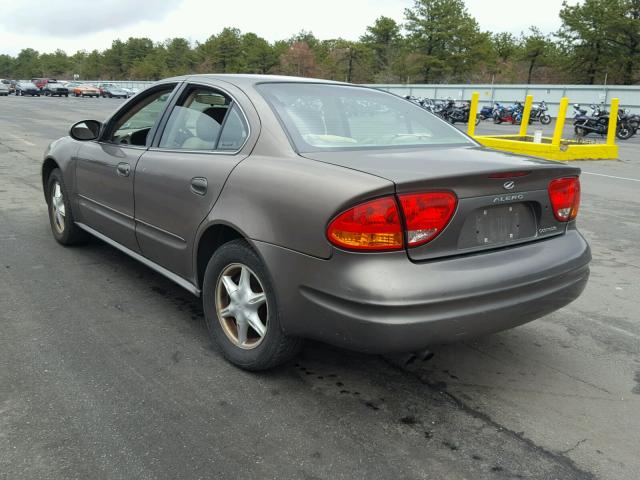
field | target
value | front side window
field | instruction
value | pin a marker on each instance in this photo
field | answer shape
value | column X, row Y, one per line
column 132, row 127
column 204, row 119
column 322, row 117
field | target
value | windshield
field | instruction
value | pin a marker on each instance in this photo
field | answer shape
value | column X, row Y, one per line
column 322, row 117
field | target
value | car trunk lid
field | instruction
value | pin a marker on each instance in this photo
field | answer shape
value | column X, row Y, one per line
column 502, row 198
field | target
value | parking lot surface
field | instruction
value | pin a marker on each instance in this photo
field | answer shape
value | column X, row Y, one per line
column 107, row 371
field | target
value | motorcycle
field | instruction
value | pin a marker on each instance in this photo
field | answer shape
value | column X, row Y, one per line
column 598, row 122
column 512, row 114
column 486, row 112
column 539, row 113
column 452, row 113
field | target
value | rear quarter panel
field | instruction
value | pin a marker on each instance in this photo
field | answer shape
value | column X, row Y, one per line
column 288, row 201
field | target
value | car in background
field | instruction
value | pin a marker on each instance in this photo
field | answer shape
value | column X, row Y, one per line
column 4, row 90
column 83, row 90
column 42, row 82
column 131, row 91
column 53, row 89
column 25, row 87
column 10, row 84
column 113, row 91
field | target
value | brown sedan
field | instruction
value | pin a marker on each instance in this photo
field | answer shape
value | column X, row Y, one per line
column 301, row 208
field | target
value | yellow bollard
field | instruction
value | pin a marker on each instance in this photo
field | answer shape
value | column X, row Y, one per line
column 613, row 121
column 525, row 115
column 562, row 114
column 473, row 113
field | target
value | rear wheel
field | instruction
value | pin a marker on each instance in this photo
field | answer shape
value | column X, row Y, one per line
column 241, row 309
column 624, row 133
column 63, row 226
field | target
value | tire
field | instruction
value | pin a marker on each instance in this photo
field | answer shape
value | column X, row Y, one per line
column 65, row 232
column 250, row 351
column 497, row 120
column 545, row 119
column 624, row 133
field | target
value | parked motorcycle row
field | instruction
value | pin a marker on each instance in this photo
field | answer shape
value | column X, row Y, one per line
column 513, row 113
column 459, row 113
column 446, row 109
column 597, row 122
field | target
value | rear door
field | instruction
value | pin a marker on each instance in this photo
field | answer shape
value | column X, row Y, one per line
column 105, row 169
column 178, row 180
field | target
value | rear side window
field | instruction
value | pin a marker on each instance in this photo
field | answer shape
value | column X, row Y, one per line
column 204, row 119
column 321, row 117
column 235, row 131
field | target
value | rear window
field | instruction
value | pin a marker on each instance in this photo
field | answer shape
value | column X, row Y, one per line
column 321, row 117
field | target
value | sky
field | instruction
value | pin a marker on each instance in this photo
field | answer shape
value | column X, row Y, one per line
column 73, row 25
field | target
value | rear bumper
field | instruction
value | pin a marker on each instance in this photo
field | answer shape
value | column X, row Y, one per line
column 383, row 303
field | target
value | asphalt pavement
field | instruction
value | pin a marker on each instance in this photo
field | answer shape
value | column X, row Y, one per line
column 106, row 370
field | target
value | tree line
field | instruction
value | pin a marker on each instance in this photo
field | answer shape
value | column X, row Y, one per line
column 438, row 42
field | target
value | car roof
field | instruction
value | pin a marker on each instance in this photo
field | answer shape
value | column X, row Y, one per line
column 245, row 80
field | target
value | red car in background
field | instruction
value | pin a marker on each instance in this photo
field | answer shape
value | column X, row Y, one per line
column 42, row 82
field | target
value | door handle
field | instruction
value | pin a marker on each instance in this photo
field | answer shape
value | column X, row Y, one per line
column 199, row 185
column 123, row 169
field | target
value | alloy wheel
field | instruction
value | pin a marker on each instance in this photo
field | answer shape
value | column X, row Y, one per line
column 241, row 306
column 58, row 210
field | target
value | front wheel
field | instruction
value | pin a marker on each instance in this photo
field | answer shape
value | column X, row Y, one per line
column 241, row 309
column 545, row 119
column 63, row 226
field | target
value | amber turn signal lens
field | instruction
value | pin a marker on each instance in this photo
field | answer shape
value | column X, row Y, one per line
column 373, row 225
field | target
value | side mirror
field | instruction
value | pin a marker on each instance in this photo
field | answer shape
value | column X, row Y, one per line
column 85, row 130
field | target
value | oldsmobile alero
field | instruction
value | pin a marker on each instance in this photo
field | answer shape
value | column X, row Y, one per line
column 303, row 208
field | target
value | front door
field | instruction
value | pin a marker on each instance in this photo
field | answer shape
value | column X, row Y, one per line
column 179, row 179
column 105, row 168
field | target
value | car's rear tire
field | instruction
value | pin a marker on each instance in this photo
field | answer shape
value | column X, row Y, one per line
column 61, row 218
column 241, row 309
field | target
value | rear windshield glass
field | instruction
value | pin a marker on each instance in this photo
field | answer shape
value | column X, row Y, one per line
column 321, row 117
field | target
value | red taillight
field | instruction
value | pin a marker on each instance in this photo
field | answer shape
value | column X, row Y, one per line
column 426, row 215
column 373, row 225
column 564, row 194
column 376, row 224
